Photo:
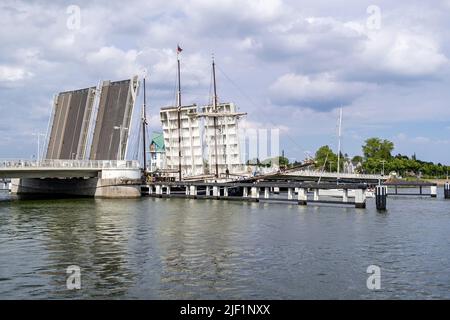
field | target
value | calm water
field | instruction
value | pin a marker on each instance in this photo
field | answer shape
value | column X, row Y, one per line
column 191, row 249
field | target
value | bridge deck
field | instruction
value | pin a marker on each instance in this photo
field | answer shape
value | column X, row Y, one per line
column 60, row 168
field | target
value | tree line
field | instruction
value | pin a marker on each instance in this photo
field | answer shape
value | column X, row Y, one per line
column 377, row 158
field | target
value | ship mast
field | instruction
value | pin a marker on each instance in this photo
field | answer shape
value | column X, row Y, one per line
column 215, row 114
column 215, row 106
column 339, row 145
column 144, row 124
column 179, row 112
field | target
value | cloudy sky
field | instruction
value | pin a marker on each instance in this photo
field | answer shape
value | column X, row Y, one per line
column 289, row 64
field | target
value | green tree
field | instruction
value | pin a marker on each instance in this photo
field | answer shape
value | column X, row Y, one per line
column 283, row 161
column 357, row 159
column 377, row 148
column 326, row 158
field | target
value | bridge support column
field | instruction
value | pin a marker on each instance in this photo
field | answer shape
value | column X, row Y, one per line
column 255, row 192
column 208, row 191
column 266, row 192
column 302, row 197
column 345, row 196
column 245, row 192
column 216, row 191
column 225, row 192
column 290, row 195
column 187, row 190
column 316, row 195
column 158, row 189
column 360, row 199
column 193, row 191
column 433, row 191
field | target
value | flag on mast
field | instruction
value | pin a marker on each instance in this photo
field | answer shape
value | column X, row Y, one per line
column 179, row 49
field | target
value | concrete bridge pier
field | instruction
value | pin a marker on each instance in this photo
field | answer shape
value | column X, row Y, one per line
column 255, row 192
column 110, row 183
column 193, row 191
column 266, row 193
column 360, row 199
column 345, row 196
column 433, row 191
column 302, row 196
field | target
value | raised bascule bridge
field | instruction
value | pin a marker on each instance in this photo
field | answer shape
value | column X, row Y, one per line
column 86, row 146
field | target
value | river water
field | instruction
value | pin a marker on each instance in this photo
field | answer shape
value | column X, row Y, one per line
column 206, row 249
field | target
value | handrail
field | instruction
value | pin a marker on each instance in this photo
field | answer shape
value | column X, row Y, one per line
column 331, row 174
column 70, row 164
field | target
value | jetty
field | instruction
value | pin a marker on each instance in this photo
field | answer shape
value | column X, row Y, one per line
column 300, row 193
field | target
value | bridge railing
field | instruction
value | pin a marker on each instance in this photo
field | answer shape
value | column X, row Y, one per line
column 312, row 173
column 68, row 164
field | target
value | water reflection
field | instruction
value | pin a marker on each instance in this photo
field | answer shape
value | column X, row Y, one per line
column 189, row 249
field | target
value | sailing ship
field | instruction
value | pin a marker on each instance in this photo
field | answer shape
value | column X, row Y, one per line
column 201, row 142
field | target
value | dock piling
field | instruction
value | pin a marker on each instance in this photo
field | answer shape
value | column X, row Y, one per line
column 255, row 192
column 316, row 194
column 216, row 192
column 381, row 197
column 360, row 199
column 266, row 192
column 447, row 190
column 302, row 197
column 433, row 191
column 345, row 196
column 193, row 191
column 290, row 194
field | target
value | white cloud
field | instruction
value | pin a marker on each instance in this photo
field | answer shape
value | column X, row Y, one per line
column 308, row 57
column 13, row 74
column 402, row 53
column 322, row 91
column 121, row 63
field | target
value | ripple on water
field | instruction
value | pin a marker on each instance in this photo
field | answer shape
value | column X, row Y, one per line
column 187, row 249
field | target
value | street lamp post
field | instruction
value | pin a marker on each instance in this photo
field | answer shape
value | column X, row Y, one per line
column 121, row 129
column 383, row 162
column 38, row 155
